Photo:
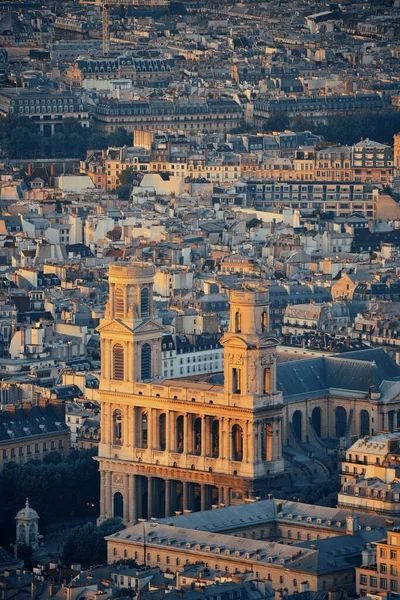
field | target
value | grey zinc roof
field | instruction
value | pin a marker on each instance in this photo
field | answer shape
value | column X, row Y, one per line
column 354, row 371
column 225, row 518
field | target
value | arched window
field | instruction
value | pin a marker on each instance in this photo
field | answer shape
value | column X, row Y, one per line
column 340, row 421
column 364, row 422
column 118, row 362
column 117, row 418
column 264, row 322
column 119, row 305
column 297, row 424
column 144, row 430
column 179, row 434
column 146, row 361
column 267, row 380
column 118, row 505
column 197, row 436
column 316, row 420
column 237, row 443
column 162, row 431
column 236, row 381
column 268, row 442
column 215, row 438
column 238, row 322
column 144, row 302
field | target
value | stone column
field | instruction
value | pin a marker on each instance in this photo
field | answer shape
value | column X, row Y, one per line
column 190, row 448
column 172, row 431
column 130, row 362
column 125, row 434
column 156, row 430
column 208, row 445
column 150, row 440
column 126, row 498
column 167, row 498
column 221, row 495
column 132, row 499
column 110, row 424
column 222, row 439
column 203, row 436
column 104, row 428
column 167, row 431
column 102, row 495
column 229, row 439
column 149, row 497
column 108, row 495
column 245, row 442
column 203, row 492
column 108, row 359
column 258, row 441
column 227, row 496
column 185, row 498
column 139, row 497
column 131, row 425
column 185, row 434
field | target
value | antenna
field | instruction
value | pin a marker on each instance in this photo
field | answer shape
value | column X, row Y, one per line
column 144, row 545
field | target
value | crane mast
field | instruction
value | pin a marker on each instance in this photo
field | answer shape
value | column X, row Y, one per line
column 109, row 4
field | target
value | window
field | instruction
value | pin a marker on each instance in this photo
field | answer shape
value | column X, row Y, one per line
column 119, row 308
column 267, row 381
column 118, row 362
column 4, row 454
column 144, row 302
column 393, row 569
column 146, row 362
column 393, row 585
column 383, row 568
column 393, row 555
column 363, row 579
column 236, row 383
column 373, row 581
column 238, row 322
column 383, row 583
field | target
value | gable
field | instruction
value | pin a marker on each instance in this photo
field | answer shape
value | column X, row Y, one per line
column 114, row 326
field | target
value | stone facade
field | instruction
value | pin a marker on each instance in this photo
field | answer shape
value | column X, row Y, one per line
column 170, row 446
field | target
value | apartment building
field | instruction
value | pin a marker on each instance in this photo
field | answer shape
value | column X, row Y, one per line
column 340, row 198
column 370, row 472
column 191, row 117
column 380, row 569
column 47, row 109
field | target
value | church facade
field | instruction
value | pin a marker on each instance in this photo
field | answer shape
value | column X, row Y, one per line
column 180, row 445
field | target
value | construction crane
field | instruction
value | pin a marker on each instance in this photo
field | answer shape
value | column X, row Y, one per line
column 109, row 4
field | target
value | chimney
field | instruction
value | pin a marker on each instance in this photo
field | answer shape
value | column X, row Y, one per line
column 352, row 525
column 30, row 170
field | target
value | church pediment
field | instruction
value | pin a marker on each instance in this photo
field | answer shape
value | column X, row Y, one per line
column 234, row 339
column 114, row 327
column 149, row 326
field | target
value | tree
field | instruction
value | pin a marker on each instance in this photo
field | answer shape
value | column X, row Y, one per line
column 86, row 545
column 123, row 192
column 127, row 176
column 120, row 138
column 278, row 121
column 300, row 123
column 60, row 488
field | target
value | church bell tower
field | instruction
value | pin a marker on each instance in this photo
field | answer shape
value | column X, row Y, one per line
column 130, row 333
column 250, row 349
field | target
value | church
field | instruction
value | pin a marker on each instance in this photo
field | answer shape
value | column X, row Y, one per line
column 187, row 444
